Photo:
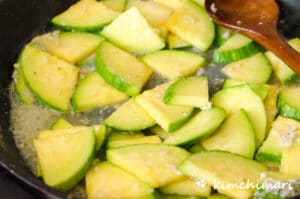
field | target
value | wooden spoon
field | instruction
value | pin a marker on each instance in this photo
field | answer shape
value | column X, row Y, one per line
column 256, row 19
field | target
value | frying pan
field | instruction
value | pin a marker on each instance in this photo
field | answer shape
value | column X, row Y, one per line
column 22, row 20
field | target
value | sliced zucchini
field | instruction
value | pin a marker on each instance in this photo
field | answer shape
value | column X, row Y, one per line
column 174, row 4
column 169, row 117
column 116, row 5
column 183, row 92
column 105, row 180
column 125, row 139
column 200, row 2
column 201, row 125
column 218, row 196
column 288, row 102
column 21, row 88
column 130, row 117
column 186, row 187
column 61, row 124
column 271, row 104
column 260, row 89
column 88, row 61
column 236, row 135
column 281, row 70
column 51, row 79
column 126, row 73
column 196, row 148
column 155, row 13
column 85, row 15
column 191, row 22
column 222, row 35
column 235, row 48
column 243, row 97
column 175, row 41
column 223, row 170
column 137, row 36
column 154, row 164
column 65, row 159
column 100, row 133
column 254, row 69
column 93, row 91
column 70, row 46
column 290, row 161
column 174, row 63
column 283, row 134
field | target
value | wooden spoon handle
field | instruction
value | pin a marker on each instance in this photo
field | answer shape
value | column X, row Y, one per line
column 274, row 42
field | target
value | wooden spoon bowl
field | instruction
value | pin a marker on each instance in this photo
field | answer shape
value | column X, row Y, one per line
column 256, row 19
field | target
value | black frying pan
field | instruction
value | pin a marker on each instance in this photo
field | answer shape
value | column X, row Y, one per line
column 20, row 20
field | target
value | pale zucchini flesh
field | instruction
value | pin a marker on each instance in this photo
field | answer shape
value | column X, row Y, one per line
column 254, row 69
column 243, row 97
column 102, row 178
column 51, row 79
column 288, row 102
column 130, row 117
column 183, row 92
column 174, row 64
column 65, row 159
column 116, row 5
column 137, row 36
column 169, row 117
column 70, row 46
column 199, row 126
column 209, row 166
column 192, row 24
column 126, row 72
column 85, row 15
column 155, row 164
column 93, row 91
column 236, row 135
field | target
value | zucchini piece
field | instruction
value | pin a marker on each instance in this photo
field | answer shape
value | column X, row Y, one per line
column 183, row 92
column 196, row 148
column 154, row 164
column 61, row 124
column 271, row 104
column 186, row 187
column 170, row 196
column 125, row 139
column 169, row 117
column 281, row 70
column 137, row 34
column 88, row 61
column 65, row 159
column 222, row 35
column 277, row 185
column 192, row 24
column 130, row 117
column 174, row 4
column 210, row 166
column 21, row 88
column 126, row 73
column 283, row 134
column 200, row 2
column 116, row 5
column 93, row 91
column 70, row 46
column 201, row 125
column 100, row 133
column 254, row 69
column 290, row 161
column 175, row 41
column 173, row 64
column 105, row 180
column 155, row 13
column 243, row 97
column 51, row 79
column 85, row 15
column 235, row 48
column 236, row 135
column 260, row 89
column 288, row 102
